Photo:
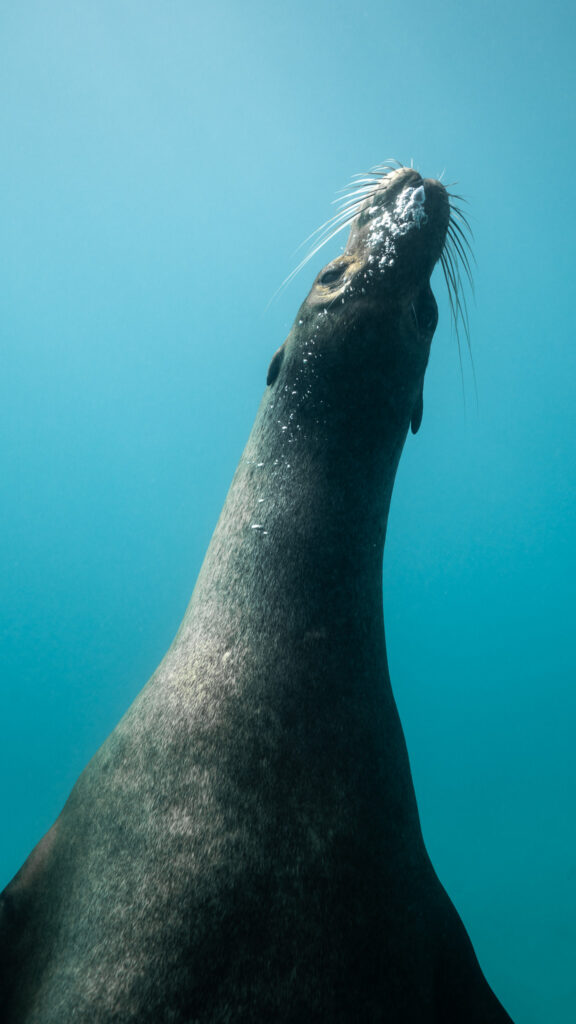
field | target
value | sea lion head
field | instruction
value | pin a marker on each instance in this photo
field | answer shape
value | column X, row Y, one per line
column 368, row 321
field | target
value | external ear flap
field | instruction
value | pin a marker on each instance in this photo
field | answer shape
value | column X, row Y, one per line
column 417, row 413
column 274, row 368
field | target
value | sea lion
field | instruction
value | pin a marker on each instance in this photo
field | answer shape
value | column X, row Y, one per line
column 246, row 844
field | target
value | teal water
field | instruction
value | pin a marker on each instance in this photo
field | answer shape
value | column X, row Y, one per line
column 160, row 165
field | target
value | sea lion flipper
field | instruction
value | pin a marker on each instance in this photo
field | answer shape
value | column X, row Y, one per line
column 417, row 413
column 274, row 368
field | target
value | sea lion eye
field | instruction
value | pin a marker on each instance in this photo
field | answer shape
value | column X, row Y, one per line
column 332, row 275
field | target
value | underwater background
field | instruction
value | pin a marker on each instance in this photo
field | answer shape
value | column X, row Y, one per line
column 161, row 163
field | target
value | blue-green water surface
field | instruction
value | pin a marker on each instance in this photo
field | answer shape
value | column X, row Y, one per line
column 160, row 164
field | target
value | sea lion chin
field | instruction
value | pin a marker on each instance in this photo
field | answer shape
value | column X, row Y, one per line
column 246, row 844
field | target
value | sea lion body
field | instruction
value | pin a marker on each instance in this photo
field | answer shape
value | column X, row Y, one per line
column 246, row 844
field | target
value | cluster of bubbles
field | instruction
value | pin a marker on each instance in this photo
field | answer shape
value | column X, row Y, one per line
column 387, row 225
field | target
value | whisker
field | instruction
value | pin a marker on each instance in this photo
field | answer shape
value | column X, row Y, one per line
column 456, row 195
column 362, row 187
column 458, row 213
column 456, row 282
column 450, row 261
column 463, row 255
column 453, row 310
column 462, row 233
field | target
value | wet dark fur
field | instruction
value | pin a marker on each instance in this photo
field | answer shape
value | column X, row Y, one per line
column 246, row 844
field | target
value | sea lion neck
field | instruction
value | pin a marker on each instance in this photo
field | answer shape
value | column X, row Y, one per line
column 304, row 503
